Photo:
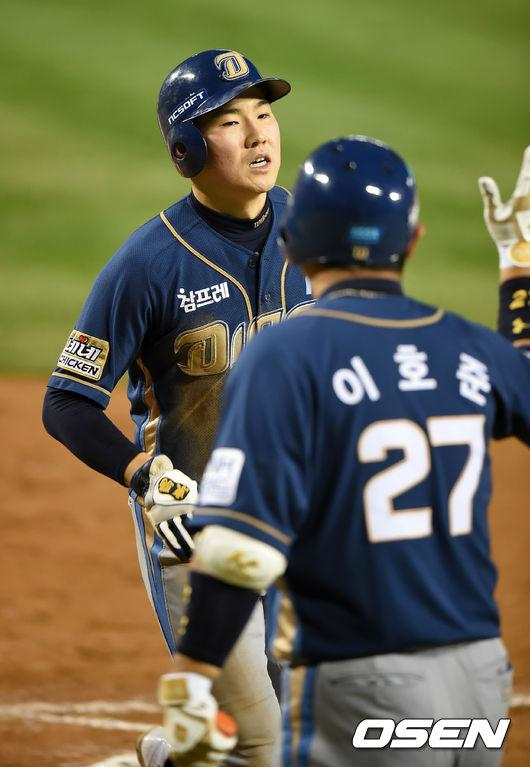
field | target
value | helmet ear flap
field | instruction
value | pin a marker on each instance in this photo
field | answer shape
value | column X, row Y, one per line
column 187, row 148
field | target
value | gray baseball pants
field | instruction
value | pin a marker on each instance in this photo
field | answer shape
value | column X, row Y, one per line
column 244, row 688
column 323, row 704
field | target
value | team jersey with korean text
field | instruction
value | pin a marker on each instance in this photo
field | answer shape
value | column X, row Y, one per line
column 354, row 439
column 174, row 307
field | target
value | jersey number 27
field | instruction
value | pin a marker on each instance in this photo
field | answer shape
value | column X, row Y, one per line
column 383, row 522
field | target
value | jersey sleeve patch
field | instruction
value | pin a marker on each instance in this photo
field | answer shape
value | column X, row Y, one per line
column 84, row 355
column 221, row 477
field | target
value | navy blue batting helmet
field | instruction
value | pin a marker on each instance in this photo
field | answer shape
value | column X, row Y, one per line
column 354, row 203
column 197, row 86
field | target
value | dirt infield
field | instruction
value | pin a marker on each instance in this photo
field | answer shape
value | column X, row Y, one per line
column 76, row 624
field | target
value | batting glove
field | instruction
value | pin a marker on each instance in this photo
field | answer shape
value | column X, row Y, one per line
column 169, row 496
column 509, row 223
column 198, row 733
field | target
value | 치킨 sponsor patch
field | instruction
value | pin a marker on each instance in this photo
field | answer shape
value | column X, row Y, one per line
column 84, row 355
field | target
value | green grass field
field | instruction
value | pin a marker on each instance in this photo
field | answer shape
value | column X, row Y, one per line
column 83, row 164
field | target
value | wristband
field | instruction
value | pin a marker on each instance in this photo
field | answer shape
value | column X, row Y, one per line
column 514, row 310
column 140, row 479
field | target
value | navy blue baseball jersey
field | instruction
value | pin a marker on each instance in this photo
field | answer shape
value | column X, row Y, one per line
column 174, row 307
column 354, row 439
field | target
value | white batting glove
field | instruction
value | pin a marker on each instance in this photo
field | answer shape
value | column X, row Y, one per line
column 198, row 733
column 509, row 223
column 169, row 500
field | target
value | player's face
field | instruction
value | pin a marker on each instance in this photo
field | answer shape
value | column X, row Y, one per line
column 243, row 141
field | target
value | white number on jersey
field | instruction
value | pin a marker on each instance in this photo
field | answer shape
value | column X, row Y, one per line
column 383, row 522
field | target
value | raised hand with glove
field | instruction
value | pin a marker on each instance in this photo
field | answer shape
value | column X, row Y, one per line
column 509, row 223
column 168, row 496
column 509, row 226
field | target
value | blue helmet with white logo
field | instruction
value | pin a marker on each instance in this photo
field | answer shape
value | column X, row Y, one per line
column 354, row 203
column 197, row 86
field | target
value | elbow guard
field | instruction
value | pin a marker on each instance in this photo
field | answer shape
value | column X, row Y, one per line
column 237, row 559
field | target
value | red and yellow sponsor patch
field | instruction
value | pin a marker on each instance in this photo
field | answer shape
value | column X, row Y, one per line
column 84, row 355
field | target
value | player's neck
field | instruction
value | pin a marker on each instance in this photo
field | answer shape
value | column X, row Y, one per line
column 248, row 207
column 324, row 279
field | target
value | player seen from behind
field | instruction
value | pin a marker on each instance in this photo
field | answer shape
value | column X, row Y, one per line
column 357, row 470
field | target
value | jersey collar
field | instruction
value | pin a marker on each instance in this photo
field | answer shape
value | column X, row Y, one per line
column 365, row 287
column 249, row 232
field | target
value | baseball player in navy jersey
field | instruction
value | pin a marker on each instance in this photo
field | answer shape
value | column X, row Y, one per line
column 173, row 308
column 352, row 464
